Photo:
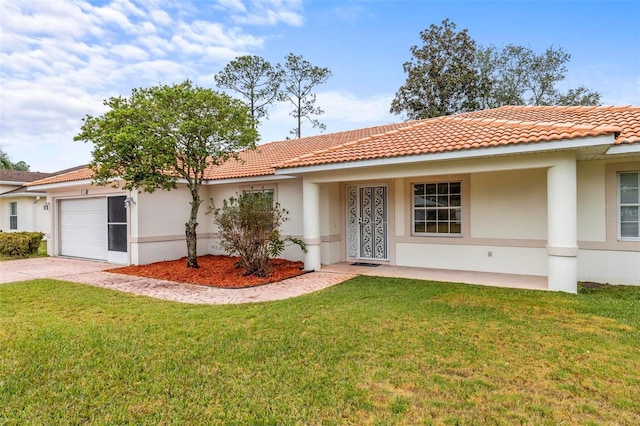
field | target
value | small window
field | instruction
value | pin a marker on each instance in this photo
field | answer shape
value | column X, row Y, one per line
column 13, row 215
column 437, row 208
column 269, row 192
column 629, row 205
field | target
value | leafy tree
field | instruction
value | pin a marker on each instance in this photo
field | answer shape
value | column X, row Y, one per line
column 516, row 75
column 299, row 78
column 503, row 79
column 255, row 79
column 579, row 96
column 164, row 133
column 21, row 165
column 6, row 164
column 249, row 226
column 441, row 77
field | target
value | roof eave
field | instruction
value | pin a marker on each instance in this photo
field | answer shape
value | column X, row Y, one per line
column 23, row 194
column 248, row 179
column 629, row 148
column 531, row 148
column 57, row 185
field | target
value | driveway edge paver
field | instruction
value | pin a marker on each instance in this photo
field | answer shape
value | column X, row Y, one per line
column 201, row 294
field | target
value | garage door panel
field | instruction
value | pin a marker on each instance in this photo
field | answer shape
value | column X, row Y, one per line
column 83, row 228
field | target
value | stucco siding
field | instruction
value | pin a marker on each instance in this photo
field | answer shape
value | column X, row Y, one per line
column 613, row 267
column 42, row 222
column 509, row 260
column 329, row 209
column 330, row 252
column 290, row 199
column 288, row 194
column 31, row 214
column 509, row 204
column 591, row 201
column 164, row 213
column 158, row 225
column 146, row 252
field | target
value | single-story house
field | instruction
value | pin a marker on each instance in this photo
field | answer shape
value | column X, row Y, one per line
column 20, row 209
column 545, row 191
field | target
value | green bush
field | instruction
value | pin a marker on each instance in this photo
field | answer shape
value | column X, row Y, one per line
column 20, row 244
column 249, row 227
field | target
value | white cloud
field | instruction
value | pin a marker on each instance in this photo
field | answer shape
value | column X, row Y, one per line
column 62, row 19
column 349, row 13
column 60, row 59
column 155, row 45
column 346, row 107
column 232, row 5
column 127, row 51
column 161, row 17
column 201, row 34
column 269, row 12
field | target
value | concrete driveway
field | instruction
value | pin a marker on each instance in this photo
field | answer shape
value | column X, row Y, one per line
column 95, row 273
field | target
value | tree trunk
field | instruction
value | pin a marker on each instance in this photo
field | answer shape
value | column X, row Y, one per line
column 192, row 238
column 299, row 135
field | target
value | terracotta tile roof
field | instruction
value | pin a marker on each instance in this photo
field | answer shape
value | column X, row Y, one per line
column 504, row 126
column 81, row 174
column 625, row 117
column 260, row 162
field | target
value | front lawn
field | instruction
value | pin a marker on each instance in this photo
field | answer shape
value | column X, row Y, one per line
column 369, row 351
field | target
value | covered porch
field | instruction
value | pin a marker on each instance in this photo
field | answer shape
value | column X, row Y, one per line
column 515, row 226
column 528, row 282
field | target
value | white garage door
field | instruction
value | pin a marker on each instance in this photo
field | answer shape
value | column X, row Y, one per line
column 83, row 228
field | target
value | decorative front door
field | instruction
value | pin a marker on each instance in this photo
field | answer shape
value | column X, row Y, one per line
column 367, row 234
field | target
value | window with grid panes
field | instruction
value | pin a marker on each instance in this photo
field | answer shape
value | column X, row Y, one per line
column 268, row 192
column 629, row 205
column 437, row 208
column 13, row 215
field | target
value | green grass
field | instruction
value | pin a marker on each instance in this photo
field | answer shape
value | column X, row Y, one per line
column 369, row 351
column 42, row 252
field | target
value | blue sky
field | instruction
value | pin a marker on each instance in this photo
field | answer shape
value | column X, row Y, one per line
column 60, row 59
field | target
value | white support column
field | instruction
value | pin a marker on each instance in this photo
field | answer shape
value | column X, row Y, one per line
column 562, row 243
column 311, row 229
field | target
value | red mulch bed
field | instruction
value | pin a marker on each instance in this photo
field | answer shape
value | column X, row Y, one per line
column 214, row 271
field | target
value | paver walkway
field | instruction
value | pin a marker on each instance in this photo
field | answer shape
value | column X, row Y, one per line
column 94, row 273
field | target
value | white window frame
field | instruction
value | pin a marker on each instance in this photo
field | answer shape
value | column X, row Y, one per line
column 414, row 208
column 13, row 216
column 620, row 205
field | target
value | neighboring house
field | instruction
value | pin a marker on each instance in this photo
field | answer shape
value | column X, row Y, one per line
column 545, row 191
column 22, row 210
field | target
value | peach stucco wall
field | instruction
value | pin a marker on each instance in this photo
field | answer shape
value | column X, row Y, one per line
column 504, row 213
